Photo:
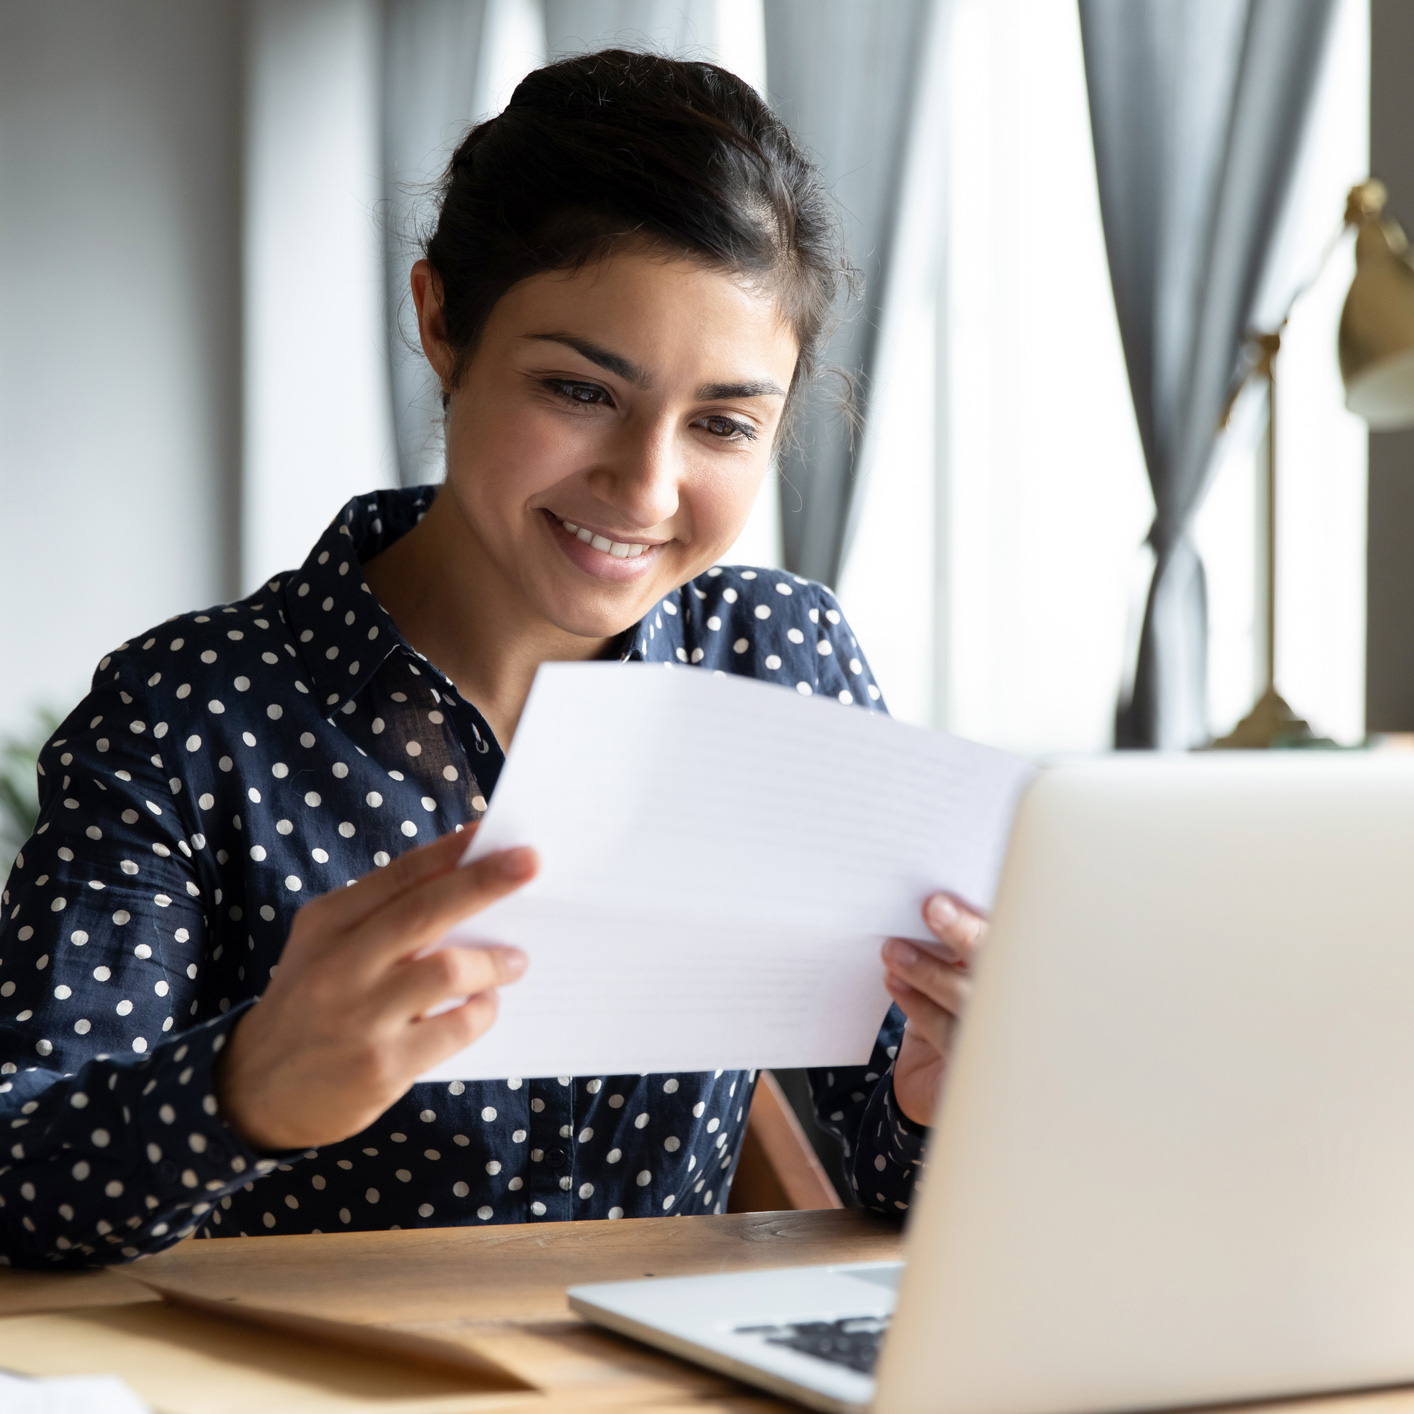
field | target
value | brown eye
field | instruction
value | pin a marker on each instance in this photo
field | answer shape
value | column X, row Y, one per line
column 729, row 429
column 587, row 393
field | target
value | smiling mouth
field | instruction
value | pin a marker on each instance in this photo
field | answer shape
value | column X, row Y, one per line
column 619, row 549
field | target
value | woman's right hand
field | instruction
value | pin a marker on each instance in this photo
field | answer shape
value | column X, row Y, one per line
column 343, row 1029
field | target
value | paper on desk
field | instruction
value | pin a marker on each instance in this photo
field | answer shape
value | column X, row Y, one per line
column 720, row 858
column 68, row 1394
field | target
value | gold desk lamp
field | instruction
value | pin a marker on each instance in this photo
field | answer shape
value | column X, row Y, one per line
column 1377, row 366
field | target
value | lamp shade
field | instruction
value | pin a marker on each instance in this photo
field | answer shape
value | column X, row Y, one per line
column 1377, row 324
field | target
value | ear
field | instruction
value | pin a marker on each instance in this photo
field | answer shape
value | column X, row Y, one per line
column 432, row 323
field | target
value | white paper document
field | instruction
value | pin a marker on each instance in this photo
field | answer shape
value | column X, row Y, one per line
column 720, row 860
column 68, row 1394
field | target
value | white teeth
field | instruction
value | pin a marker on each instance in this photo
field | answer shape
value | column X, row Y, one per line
column 619, row 549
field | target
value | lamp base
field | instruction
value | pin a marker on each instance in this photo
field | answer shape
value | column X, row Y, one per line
column 1271, row 723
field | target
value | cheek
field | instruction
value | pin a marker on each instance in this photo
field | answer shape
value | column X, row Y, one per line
column 498, row 460
column 722, row 501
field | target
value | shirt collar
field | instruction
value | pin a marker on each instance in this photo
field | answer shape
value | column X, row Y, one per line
column 344, row 634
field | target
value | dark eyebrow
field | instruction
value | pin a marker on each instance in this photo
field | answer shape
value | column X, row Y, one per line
column 614, row 363
column 714, row 392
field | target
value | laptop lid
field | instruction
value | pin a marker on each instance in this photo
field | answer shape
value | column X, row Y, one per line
column 1175, row 1161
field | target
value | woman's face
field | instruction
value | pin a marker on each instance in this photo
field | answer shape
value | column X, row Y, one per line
column 606, row 441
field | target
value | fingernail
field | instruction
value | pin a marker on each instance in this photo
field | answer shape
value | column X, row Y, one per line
column 515, row 961
column 896, row 950
column 940, row 911
column 518, row 863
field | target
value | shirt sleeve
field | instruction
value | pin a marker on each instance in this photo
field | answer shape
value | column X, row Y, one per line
column 111, row 1142
column 883, row 1148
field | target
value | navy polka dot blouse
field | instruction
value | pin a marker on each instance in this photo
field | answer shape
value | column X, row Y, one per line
column 232, row 764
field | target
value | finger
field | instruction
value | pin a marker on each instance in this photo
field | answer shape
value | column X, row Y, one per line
column 434, row 1038
column 941, row 982
column 415, row 987
column 343, row 908
column 419, row 917
column 926, row 1019
column 954, row 925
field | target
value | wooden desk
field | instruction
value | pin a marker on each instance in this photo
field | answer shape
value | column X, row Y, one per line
column 494, row 1294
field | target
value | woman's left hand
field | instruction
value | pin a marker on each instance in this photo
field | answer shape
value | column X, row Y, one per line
column 931, row 984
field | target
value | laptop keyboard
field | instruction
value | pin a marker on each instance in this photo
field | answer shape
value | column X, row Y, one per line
column 852, row 1341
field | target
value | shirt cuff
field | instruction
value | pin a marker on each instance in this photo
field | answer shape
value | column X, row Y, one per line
column 191, row 1148
column 905, row 1139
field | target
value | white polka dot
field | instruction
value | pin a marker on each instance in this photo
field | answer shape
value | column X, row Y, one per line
column 311, row 799
column 644, row 1178
column 772, row 662
column 795, row 635
column 762, row 611
column 460, row 1189
column 408, row 828
column 293, row 884
column 373, row 799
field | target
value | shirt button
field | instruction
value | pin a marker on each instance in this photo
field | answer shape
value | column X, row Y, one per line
column 556, row 1158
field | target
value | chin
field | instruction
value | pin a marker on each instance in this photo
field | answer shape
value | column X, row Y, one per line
column 587, row 619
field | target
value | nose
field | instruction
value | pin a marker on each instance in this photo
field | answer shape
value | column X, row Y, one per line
column 642, row 476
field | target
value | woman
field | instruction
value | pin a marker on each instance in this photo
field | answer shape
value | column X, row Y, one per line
column 625, row 289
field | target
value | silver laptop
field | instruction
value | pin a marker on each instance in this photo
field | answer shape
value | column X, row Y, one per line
column 1175, row 1161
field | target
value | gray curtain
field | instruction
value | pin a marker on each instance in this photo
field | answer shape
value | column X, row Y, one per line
column 844, row 75
column 670, row 26
column 1197, row 109
column 431, row 89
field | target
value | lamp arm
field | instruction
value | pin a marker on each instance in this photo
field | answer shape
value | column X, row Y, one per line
column 1268, row 343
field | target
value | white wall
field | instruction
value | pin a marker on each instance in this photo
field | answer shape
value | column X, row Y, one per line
column 119, row 365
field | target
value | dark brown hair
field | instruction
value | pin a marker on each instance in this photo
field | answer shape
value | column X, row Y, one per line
column 606, row 148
